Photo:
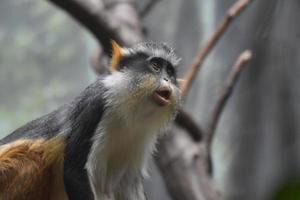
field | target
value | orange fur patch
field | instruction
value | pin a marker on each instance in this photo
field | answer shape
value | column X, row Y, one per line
column 32, row 169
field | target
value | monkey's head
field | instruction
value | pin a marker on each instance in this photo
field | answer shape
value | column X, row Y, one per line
column 142, row 83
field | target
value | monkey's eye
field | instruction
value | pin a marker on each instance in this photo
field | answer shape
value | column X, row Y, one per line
column 170, row 71
column 155, row 65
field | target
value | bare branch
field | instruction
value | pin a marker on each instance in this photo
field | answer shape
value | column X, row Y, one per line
column 148, row 7
column 185, row 121
column 221, row 102
column 232, row 13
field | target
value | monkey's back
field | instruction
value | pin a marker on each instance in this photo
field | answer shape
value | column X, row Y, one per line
column 32, row 157
column 32, row 169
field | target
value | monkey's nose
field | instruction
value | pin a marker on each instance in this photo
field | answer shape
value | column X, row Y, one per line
column 165, row 88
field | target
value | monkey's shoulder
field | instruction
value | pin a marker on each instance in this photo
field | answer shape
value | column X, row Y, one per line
column 45, row 127
column 62, row 119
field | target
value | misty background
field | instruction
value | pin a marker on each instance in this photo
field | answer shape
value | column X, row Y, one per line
column 44, row 62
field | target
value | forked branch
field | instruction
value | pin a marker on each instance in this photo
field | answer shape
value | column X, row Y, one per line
column 231, row 14
column 242, row 60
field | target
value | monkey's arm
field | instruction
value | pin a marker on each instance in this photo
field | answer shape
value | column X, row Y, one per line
column 75, row 176
column 85, row 117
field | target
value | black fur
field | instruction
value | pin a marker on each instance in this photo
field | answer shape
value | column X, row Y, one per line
column 142, row 63
column 77, row 121
column 46, row 127
column 90, row 108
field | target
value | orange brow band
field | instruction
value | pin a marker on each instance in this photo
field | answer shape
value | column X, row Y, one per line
column 116, row 56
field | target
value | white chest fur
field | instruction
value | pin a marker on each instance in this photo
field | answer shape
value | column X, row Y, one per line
column 118, row 149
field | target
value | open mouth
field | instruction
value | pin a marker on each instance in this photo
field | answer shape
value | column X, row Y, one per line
column 162, row 96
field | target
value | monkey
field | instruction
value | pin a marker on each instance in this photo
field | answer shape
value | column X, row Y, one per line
column 96, row 147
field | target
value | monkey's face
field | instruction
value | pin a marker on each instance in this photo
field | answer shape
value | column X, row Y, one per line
column 147, row 77
column 153, row 79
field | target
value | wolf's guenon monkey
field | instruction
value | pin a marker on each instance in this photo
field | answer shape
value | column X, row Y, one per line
column 96, row 147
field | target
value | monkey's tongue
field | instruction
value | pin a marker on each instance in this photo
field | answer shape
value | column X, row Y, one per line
column 162, row 97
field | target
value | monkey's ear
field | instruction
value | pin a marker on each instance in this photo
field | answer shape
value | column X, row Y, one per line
column 117, row 54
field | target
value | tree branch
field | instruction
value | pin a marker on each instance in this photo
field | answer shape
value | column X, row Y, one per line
column 231, row 14
column 182, row 163
column 185, row 121
column 242, row 60
column 91, row 15
column 106, row 20
column 148, row 7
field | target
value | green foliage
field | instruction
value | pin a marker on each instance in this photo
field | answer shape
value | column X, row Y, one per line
column 289, row 191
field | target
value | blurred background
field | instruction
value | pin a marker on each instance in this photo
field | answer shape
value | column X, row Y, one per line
column 44, row 62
